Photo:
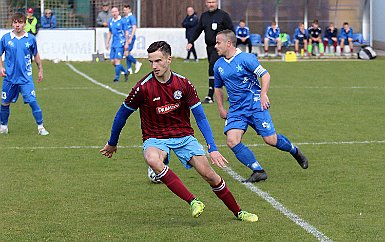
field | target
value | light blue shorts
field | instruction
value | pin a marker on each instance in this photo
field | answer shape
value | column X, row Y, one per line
column 10, row 92
column 116, row 53
column 260, row 121
column 184, row 148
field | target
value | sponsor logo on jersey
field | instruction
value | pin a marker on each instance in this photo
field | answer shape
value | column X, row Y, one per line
column 178, row 94
column 167, row 108
column 156, row 99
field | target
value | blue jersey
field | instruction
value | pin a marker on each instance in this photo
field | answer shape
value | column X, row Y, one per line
column 118, row 28
column 346, row 35
column 240, row 77
column 130, row 21
column 299, row 35
column 271, row 34
column 18, row 55
column 242, row 32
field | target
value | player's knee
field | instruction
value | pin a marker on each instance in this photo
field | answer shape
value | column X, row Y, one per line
column 270, row 140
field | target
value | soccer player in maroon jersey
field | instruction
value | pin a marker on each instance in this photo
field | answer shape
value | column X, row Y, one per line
column 165, row 99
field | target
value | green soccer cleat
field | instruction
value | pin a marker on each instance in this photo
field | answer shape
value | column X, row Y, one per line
column 247, row 217
column 196, row 207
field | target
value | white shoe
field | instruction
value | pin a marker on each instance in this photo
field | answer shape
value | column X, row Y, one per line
column 138, row 65
column 3, row 129
column 43, row 132
column 130, row 71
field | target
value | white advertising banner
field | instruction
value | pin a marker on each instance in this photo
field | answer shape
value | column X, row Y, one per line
column 80, row 44
column 66, row 45
column 145, row 36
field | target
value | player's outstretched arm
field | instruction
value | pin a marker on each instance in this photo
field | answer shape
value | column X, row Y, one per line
column 204, row 127
column 119, row 122
column 265, row 80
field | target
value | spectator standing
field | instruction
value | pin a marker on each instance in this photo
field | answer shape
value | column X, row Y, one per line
column 117, row 29
column 247, row 84
column 19, row 47
column 346, row 37
column 104, row 16
column 31, row 24
column 48, row 21
column 165, row 99
column 243, row 35
column 131, row 27
column 331, row 37
column 300, row 38
column 211, row 22
column 190, row 23
column 315, row 38
column 272, row 37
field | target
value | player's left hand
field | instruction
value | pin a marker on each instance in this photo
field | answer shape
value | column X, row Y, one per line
column 218, row 159
column 108, row 150
column 265, row 103
column 3, row 72
column 40, row 77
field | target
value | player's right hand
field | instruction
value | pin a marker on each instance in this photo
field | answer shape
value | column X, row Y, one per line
column 3, row 72
column 108, row 150
column 223, row 113
column 188, row 47
column 218, row 159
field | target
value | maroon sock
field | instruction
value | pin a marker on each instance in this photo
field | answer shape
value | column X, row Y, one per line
column 335, row 46
column 172, row 181
column 226, row 196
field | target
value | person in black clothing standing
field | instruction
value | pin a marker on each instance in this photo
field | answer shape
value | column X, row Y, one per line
column 211, row 22
column 190, row 23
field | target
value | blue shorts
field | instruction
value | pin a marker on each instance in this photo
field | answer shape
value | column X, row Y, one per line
column 131, row 46
column 260, row 121
column 300, row 41
column 184, row 148
column 116, row 53
column 346, row 41
column 10, row 92
column 272, row 41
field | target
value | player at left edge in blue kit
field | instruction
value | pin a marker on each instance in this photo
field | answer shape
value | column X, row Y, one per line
column 19, row 47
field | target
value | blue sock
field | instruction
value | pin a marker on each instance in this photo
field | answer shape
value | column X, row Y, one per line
column 246, row 156
column 128, row 62
column 123, row 69
column 284, row 144
column 131, row 58
column 117, row 71
column 36, row 112
column 4, row 114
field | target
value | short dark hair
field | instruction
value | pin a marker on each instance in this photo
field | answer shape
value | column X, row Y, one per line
column 18, row 16
column 229, row 35
column 346, row 23
column 162, row 46
column 127, row 6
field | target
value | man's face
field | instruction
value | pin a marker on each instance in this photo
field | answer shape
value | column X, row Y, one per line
column 212, row 5
column 190, row 11
column 346, row 27
column 159, row 62
column 301, row 27
column 242, row 24
column 115, row 12
column 221, row 45
column 331, row 26
column 18, row 25
column 126, row 11
column 105, row 8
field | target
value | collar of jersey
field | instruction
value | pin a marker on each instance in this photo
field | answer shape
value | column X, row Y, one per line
column 114, row 20
column 13, row 35
column 238, row 51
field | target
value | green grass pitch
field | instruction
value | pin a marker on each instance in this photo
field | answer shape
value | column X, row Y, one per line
column 60, row 188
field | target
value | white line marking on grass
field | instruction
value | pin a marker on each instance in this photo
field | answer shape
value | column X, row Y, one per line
column 67, row 88
column 140, row 146
column 95, row 82
column 279, row 206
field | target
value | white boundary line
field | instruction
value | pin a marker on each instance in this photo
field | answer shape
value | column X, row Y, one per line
column 295, row 218
column 140, row 146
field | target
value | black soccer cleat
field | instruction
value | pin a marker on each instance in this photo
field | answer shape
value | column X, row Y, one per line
column 126, row 76
column 208, row 100
column 115, row 80
column 301, row 159
column 257, row 176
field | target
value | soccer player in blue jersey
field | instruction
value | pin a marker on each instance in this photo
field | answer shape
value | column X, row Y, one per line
column 239, row 73
column 118, row 30
column 300, row 38
column 19, row 47
column 272, row 37
column 243, row 35
column 131, row 27
column 346, row 37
